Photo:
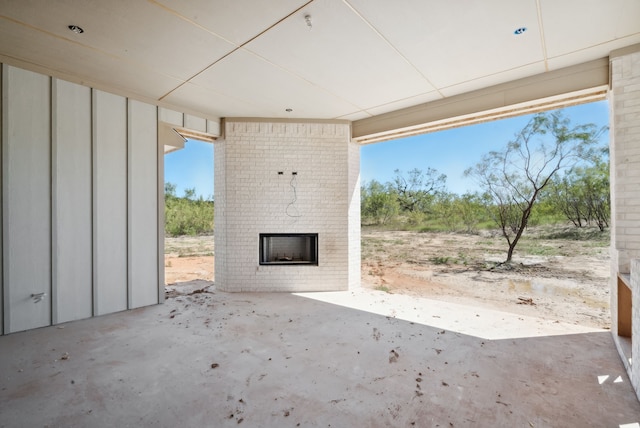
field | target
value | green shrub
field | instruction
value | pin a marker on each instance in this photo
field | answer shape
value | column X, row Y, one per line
column 187, row 215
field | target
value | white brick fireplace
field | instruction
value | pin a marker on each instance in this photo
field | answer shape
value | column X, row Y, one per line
column 275, row 178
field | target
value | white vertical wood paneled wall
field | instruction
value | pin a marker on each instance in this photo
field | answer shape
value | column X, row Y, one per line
column 26, row 199
column 80, row 196
column 72, row 202
column 109, row 203
column 143, row 173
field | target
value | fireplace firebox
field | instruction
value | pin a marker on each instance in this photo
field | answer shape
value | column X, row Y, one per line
column 289, row 249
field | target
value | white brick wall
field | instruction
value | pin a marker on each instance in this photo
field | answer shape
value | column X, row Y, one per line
column 252, row 198
column 635, row 325
column 624, row 99
column 354, row 215
column 625, row 157
column 219, row 208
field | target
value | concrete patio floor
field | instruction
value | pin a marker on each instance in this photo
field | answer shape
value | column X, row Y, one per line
column 213, row 359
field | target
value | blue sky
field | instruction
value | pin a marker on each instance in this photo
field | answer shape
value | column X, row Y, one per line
column 191, row 167
column 450, row 152
column 454, row 150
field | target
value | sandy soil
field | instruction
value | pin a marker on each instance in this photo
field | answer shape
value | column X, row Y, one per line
column 551, row 277
column 559, row 274
column 188, row 258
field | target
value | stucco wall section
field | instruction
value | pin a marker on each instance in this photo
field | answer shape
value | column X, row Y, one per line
column 252, row 198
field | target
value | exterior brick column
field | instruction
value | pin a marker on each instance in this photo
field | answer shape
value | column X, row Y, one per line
column 624, row 104
column 299, row 177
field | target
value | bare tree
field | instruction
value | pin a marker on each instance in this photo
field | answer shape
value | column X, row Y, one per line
column 416, row 191
column 514, row 177
column 582, row 195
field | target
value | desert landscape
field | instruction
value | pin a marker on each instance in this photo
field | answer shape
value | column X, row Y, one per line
column 559, row 273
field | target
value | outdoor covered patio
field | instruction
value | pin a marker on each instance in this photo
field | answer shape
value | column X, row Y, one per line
column 94, row 93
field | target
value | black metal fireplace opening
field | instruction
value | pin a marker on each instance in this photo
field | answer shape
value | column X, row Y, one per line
column 289, row 249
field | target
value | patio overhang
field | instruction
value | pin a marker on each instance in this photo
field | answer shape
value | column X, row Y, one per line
column 582, row 83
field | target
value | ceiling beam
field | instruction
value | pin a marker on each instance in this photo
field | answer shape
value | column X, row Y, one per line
column 555, row 89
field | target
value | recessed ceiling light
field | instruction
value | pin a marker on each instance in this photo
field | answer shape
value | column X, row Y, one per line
column 288, row 110
column 75, row 29
column 520, row 30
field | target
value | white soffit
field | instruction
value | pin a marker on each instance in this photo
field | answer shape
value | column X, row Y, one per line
column 209, row 102
column 573, row 85
column 62, row 58
column 457, row 41
column 412, row 101
column 136, row 32
column 342, row 53
column 170, row 139
column 248, row 78
column 494, row 79
column 355, row 116
column 235, row 20
column 359, row 60
column 589, row 25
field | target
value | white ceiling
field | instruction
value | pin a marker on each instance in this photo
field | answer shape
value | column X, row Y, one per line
column 360, row 58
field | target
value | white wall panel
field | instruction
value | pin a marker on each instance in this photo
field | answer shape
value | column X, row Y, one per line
column 72, row 244
column 161, row 219
column 213, row 127
column 81, row 192
column 173, row 117
column 109, row 202
column 26, row 201
column 143, row 205
column 195, row 123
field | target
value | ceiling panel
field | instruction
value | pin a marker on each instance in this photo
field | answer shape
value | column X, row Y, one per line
column 496, row 79
column 458, row 41
column 248, row 77
column 258, row 58
column 137, row 31
column 236, row 20
column 342, row 54
column 211, row 103
column 408, row 102
column 591, row 53
column 62, row 57
column 355, row 116
column 574, row 25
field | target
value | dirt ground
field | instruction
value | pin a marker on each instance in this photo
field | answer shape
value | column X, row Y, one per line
column 187, row 258
column 559, row 273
